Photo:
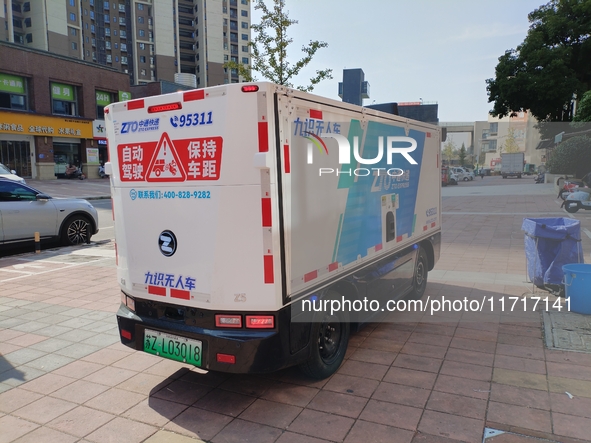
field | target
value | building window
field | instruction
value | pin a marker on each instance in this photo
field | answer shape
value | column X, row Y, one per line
column 13, row 93
column 150, row 36
column 244, row 2
column 244, row 13
column 152, row 61
column 244, row 48
column 492, row 145
column 106, row 5
column 140, row 20
column 73, row 32
column 72, row 17
column 72, row 2
column 26, row 6
column 29, row 38
column 143, row 72
column 140, row 7
column 142, row 59
column 116, row 59
column 109, row 58
column 123, row 46
column 108, row 32
column 244, row 25
column 114, row 32
column 74, row 46
column 485, row 133
column 107, row 18
column 123, row 34
column 245, row 60
column 245, row 37
column 108, row 45
column 63, row 99
column 114, row 19
column 92, row 15
column 87, row 39
column 494, row 128
column 142, row 46
column 142, row 33
column 92, row 28
column 124, row 60
column 28, row 22
column 116, row 45
column 225, row 57
column 102, row 99
column 94, row 42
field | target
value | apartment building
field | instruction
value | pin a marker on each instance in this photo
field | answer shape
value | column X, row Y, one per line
column 149, row 40
column 52, row 109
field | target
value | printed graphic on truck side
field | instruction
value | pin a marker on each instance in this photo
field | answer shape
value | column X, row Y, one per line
column 365, row 200
column 171, row 160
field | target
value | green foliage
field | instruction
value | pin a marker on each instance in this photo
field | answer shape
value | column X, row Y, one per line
column 511, row 145
column 269, row 49
column 584, row 110
column 449, row 150
column 551, row 64
column 462, row 154
column 572, row 155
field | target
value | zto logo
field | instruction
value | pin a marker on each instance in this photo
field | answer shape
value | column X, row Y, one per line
column 167, row 243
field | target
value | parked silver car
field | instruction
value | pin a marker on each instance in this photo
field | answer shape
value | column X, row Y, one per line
column 10, row 174
column 25, row 210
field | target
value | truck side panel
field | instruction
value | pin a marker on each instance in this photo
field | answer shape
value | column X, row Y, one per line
column 341, row 216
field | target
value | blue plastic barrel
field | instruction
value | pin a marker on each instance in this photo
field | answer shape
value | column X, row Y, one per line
column 577, row 281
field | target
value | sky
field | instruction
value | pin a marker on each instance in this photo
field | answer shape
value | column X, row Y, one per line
column 434, row 50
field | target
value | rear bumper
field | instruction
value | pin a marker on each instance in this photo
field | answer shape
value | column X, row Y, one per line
column 256, row 351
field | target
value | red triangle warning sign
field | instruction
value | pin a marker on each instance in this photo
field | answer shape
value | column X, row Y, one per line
column 165, row 165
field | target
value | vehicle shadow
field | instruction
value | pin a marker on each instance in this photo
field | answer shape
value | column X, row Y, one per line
column 7, row 371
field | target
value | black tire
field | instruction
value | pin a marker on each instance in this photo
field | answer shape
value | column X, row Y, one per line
column 419, row 278
column 571, row 207
column 76, row 230
column 465, row 179
column 328, row 344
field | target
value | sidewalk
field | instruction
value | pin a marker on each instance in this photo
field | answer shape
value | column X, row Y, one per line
column 89, row 189
column 446, row 378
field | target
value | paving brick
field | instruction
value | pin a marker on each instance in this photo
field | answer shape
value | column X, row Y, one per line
column 373, row 356
column 520, row 379
column 364, row 431
column 409, row 377
column 16, row 398
column 451, row 426
column 44, row 410
column 322, row 425
column 466, row 370
column 576, row 427
column 347, row 384
column 418, row 362
column 404, row 395
column 182, row 392
column 337, row 403
column 115, row 401
column 225, row 402
column 198, row 423
column 121, row 430
column 523, row 417
column 154, row 411
column 391, row 414
column 461, row 386
column 80, row 421
column 270, row 413
column 363, row 369
column 13, row 428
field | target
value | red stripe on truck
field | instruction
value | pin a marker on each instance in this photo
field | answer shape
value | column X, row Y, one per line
column 378, row 247
column 266, row 209
column 135, row 104
column 268, row 265
column 333, row 266
column 199, row 94
column 310, row 276
column 157, row 290
column 315, row 114
column 263, row 138
column 286, row 156
column 179, row 293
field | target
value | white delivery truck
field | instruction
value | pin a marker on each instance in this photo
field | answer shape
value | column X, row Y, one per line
column 244, row 213
column 512, row 164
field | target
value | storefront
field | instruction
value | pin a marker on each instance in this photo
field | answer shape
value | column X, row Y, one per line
column 37, row 146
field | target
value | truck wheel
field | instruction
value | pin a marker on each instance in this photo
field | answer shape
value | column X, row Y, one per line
column 76, row 230
column 571, row 208
column 328, row 345
column 419, row 279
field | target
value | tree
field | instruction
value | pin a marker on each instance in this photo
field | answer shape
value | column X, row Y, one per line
column 571, row 156
column 584, row 110
column 551, row 64
column 269, row 51
column 449, row 149
column 462, row 154
column 511, row 145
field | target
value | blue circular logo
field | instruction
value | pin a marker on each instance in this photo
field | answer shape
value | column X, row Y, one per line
column 133, row 194
column 167, row 243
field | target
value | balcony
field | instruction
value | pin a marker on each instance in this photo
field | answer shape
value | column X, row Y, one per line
column 121, row 8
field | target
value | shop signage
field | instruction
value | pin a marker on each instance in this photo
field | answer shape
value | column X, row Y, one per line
column 12, row 83
column 59, row 91
column 41, row 125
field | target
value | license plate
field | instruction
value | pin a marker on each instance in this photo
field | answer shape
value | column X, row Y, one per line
column 173, row 347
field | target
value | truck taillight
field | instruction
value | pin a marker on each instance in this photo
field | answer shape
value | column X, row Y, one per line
column 164, row 108
column 228, row 321
column 226, row 358
column 250, row 88
column 260, row 321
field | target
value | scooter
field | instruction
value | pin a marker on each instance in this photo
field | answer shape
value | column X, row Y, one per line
column 540, row 178
column 101, row 171
column 570, row 185
column 579, row 199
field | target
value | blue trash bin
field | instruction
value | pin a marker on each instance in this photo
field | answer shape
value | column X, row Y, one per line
column 577, row 279
column 551, row 243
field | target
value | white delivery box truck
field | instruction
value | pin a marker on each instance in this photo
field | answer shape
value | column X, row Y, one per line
column 244, row 213
column 512, row 164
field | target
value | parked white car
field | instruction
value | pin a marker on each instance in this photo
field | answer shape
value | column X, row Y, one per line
column 463, row 173
column 10, row 174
